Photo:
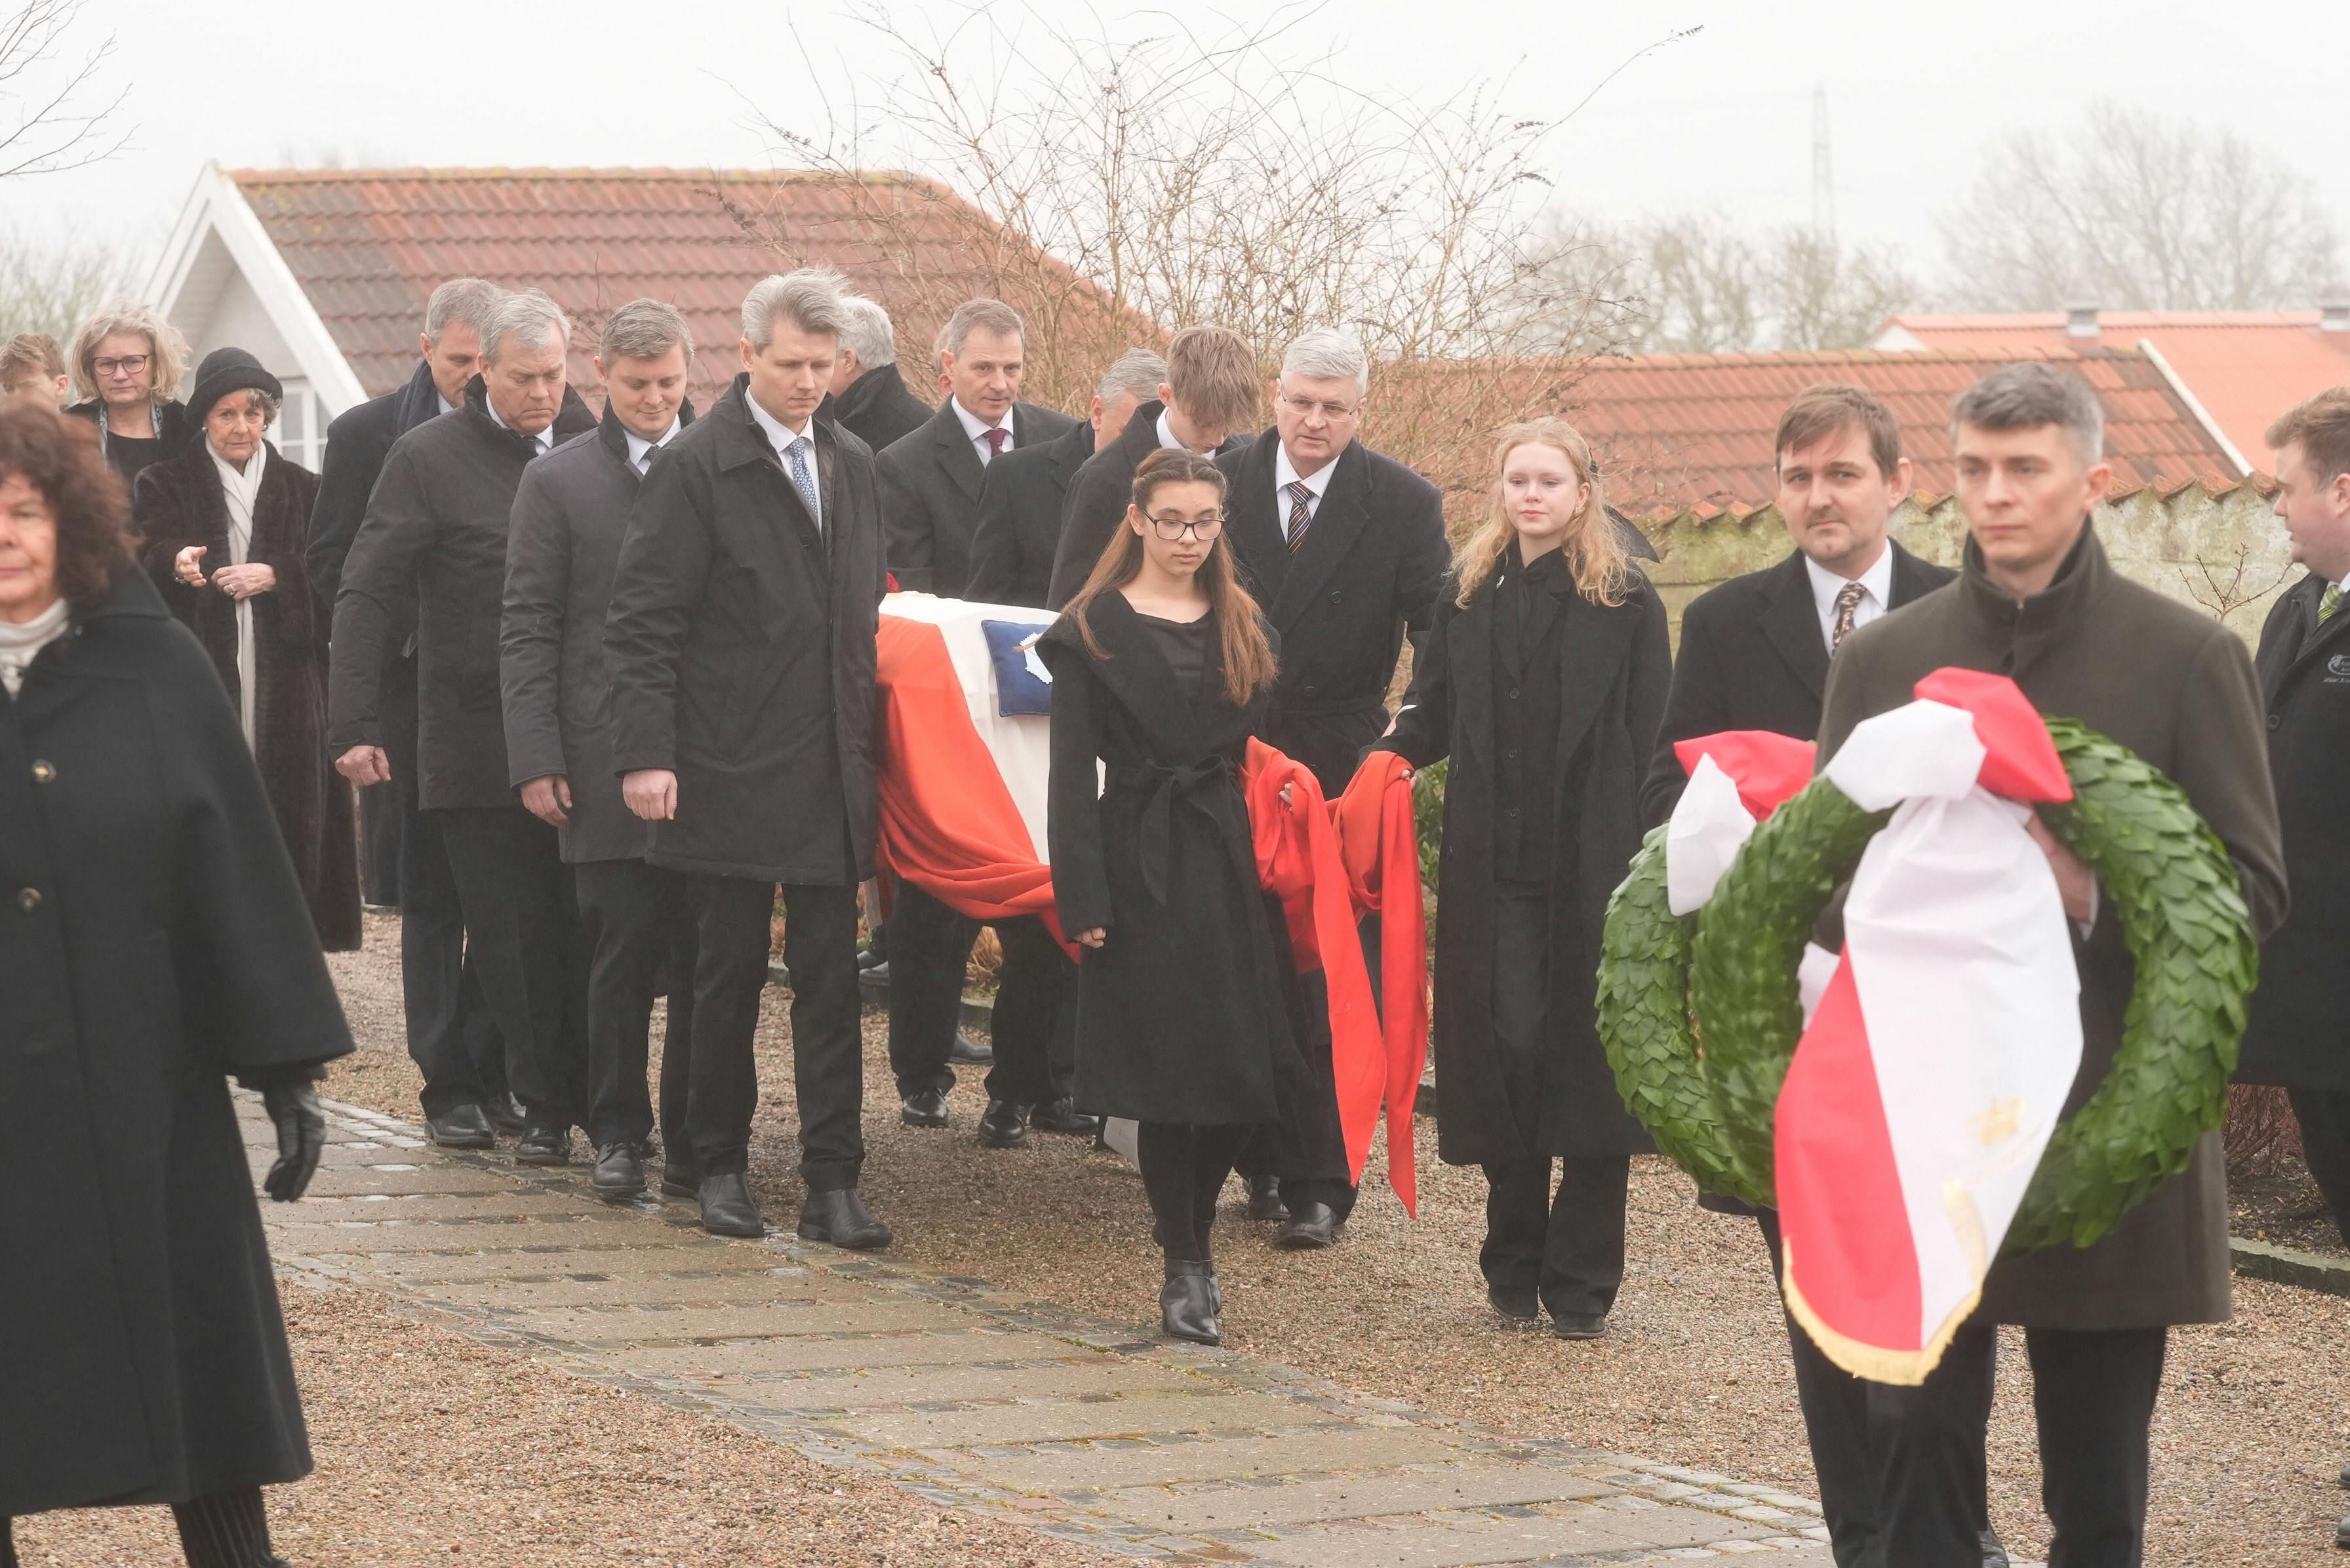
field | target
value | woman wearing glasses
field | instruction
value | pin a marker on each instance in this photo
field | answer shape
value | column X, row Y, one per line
column 1544, row 680
column 126, row 366
column 1162, row 668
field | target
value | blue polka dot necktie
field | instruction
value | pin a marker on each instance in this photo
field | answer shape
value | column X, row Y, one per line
column 806, row 479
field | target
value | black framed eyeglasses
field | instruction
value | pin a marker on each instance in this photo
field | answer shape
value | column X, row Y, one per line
column 1173, row 528
column 129, row 364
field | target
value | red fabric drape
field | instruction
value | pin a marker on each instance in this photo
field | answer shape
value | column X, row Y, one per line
column 1379, row 836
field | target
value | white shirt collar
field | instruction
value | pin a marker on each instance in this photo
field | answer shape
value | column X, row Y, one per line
column 1284, row 473
column 545, row 438
column 976, row 428
column 639, row 445
column 1876, row 590
column 779, row 434
column 1166, row 430
column 446, row 406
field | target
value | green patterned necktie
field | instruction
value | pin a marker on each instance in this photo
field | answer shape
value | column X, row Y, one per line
column 2330, row 603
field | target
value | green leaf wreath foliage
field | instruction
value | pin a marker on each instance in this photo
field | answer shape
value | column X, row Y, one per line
column 1726, row 978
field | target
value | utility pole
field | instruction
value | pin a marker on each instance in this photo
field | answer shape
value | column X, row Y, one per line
column 1823, row 174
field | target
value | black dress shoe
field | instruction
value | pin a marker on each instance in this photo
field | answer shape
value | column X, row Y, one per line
column 1187, row 1301
column 620, row 1171
column 878, row 973
column 1062, row 1115
column 1264, row 1199
column 1310, row 1227
column 506, row 1113
column 544, row 1145
column 1516, row 1303
column 924, row 1108
column 1578, row 1324
column 970, row 1052
column 1994, row 1554
column 2345, row 1478
column 871, row 958
column 461, row 1126
column 2341, row 1534
column 1006, row 1124
column 680, row 1180
column 839, row 1217
column 727, row 1207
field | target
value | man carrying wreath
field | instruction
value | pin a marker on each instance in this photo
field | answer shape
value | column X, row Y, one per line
column 2038, row 602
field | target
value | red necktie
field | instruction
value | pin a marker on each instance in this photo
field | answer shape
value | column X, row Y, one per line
column 996, row 436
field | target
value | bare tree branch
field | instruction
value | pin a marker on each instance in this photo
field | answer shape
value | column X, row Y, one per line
column 47, row 123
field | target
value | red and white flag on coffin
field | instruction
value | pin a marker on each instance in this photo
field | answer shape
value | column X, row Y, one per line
column 1933, row 1071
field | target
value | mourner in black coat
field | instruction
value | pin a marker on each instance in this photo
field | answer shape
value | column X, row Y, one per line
column 931, row 481
column 435, row 538
column 878, row 408
column 1099, row 496
column 156, row 941
column 1020, row 519
column 129, row 455
column 1547, row 700
column 741, row 652
column 181, row 505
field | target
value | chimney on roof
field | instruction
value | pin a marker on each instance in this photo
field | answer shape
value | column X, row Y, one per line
column 2334, row 311
column 2081, row 320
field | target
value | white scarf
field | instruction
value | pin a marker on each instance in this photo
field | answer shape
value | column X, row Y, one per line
column 21, row 643
column 240, row 488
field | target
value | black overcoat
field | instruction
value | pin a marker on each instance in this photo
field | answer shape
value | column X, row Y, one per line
column 1615, row 662
column 1367, row 574
column 179, row 503
column 356, row 445
column 1020, row 519
column 878, row 409
column 153, row 940
column 1751, row 657
column 1099, row 497
column 2300, row 1030
column 174, row 424
column 1183, row 1011
column 740, row 650
column 931, row 481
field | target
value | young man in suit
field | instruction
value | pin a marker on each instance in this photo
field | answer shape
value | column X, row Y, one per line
column 2295, row 1036
column 1754, row 655
column 870, row 398
column 1020, row 505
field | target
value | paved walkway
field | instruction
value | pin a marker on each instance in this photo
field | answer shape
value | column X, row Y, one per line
column 974, row 1396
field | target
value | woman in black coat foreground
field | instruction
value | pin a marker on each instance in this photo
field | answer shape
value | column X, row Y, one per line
column 153, row 941
column 1544, row 680
column 221, row 530
column 1162, row 668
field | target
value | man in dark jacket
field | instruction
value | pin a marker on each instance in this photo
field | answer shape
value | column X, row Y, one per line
column 741, row 652
column 1020, row 505
column 1210, row 394
column 452, row 1034
column 2039, row 602
column 1754, row 655
column 568, row 519
column 1346, row 550
column 436, row 537
column 869, row 398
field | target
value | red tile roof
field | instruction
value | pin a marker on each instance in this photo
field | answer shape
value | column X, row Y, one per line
column 1680, row 432
column 368, row 246
column 2245, row 367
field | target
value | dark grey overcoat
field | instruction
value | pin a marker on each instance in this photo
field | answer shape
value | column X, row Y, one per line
column 153, row 939
column 2177, row 688
column 1617, row 664
column 931, row 480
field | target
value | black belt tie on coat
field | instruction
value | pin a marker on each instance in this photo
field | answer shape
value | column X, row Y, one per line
column 1166, row 785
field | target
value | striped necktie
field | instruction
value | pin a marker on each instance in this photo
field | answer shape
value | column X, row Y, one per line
column 1301, row 511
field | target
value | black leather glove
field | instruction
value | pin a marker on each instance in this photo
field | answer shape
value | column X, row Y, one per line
column 301, row 1138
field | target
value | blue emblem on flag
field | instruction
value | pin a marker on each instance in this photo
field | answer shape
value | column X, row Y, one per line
column 1024, row 687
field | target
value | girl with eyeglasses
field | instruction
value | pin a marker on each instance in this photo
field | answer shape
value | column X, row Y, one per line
column 1162, row 668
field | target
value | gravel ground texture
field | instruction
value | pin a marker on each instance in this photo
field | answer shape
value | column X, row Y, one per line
column 2252, row 1428
column 2284, row 1206
column 434, row 1448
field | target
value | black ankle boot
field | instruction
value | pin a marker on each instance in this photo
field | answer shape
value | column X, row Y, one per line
column 1187, row 1302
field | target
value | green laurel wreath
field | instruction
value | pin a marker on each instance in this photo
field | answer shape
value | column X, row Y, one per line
column 1732, row 969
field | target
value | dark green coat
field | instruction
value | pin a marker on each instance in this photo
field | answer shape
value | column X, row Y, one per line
column 2175, row 687
column 153, row 940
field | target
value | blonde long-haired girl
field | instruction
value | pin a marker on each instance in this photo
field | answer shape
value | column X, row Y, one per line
column 1543, row 681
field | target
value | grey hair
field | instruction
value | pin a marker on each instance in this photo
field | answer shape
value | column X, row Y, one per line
column 973, row 315
column 1327, row 354
column 1138, row 371
column 813, row 300
column 471, row 300
column 644, row 329
column 2034, row 393
column 868, row 334
column 268, row 404
column 530, row 319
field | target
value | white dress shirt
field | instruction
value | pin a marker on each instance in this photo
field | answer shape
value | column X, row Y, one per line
column 1284, row 474
column 1876, row 593
column 640, row 451
column 780, row 436
column 976, row 429
column 545, row 438
column 446, row 406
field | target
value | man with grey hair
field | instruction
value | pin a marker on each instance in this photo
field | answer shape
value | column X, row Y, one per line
column 434, row 538
column 870, row 398
column 741, row 652
column 2038, row 601
column 568, row 519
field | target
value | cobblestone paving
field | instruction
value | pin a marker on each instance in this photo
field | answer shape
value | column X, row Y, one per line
column 975, row 1395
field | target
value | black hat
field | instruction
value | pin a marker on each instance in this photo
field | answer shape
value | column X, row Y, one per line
column 226, row 371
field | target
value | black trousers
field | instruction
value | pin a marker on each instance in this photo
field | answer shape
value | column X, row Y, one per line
column 2092, row 1392
column 1034, row 1034
column 639, row 940
column 1183, row 1171
column 2324, row 1118
column 522, row 929
column 731, row 918
column 1567, row 1245
column 219, row 1529
column 930, row 949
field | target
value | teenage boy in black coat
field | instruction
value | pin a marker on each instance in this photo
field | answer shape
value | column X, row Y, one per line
column 741, row 648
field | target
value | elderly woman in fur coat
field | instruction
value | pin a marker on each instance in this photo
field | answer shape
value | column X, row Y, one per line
column 221, row 528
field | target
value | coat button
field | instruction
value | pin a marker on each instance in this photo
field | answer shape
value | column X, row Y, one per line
column 2276, row 721
column 1334, row 595
column 44, row 773
column 1514, row 693
column 1512, row 754
column 28, row 900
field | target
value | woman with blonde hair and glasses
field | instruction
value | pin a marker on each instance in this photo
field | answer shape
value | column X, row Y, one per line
column 1543, row 681
column 127, row 364
column 1162, row 668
